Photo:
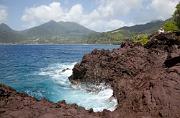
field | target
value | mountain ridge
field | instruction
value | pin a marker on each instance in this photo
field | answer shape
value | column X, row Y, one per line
column 144, row 28
column 49, row 32
column 69, row 32
column 119, row 35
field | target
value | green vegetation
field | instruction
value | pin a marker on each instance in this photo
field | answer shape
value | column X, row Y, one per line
column 170, row 26
column 173, row 24
column 48, row 33
column 141, row 38
column 138, row 32
column 119, row 35
column 69, row 32
column 176, row 15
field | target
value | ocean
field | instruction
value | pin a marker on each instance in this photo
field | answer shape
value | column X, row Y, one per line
column 38, row 71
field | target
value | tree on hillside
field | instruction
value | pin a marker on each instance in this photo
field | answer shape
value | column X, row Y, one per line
column 173, row 24
column 141, row 38
column 176, row 15
column 170, row 25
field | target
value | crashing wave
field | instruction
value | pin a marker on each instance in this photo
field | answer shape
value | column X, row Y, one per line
column 79, row 94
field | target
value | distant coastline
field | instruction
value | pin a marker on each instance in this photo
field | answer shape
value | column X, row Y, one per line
column 56, row 44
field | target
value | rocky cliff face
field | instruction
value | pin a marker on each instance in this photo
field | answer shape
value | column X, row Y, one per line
column 145, row 80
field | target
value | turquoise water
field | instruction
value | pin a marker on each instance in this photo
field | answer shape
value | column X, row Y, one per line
column 37, row 70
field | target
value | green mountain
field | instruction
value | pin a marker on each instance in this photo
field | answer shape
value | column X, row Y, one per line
column 68, row 32
column 8, row 35
column 118, row 35
column 58, row 32
column 144, row 28
column 50, row 32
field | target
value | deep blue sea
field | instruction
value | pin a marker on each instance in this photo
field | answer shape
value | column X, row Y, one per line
column 37, row 71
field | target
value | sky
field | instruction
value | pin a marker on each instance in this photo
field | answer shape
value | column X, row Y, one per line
column 98, row 15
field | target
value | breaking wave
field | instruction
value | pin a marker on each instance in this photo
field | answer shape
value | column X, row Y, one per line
column 97, row 100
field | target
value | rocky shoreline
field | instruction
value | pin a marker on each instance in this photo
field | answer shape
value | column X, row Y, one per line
column 145, row 80
column 20, row 105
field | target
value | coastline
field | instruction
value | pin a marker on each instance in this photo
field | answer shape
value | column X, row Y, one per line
column 58, row 44
column 143, row 84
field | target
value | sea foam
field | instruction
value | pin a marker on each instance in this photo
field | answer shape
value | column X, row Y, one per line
column 97, row 100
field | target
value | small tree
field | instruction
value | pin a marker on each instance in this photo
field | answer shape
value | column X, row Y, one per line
column 170, row 26
column 173, row 24
column 141, row 38
column 176, row 15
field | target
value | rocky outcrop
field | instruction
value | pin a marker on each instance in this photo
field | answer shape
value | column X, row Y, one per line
column 145, row 79
column 20, row 105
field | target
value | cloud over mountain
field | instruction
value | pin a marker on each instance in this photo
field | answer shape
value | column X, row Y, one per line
column 3, row 13
column 107, row 15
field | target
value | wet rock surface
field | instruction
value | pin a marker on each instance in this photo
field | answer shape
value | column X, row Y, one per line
column 145, row 80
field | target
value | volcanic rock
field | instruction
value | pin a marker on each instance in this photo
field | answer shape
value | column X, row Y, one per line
column 20, row 105
column 145, row 79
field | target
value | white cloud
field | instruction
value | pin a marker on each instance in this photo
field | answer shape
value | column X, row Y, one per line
column 163, row 8
column 117, row 7
column 154, row 10
column 74, row 14
column 108, row 15
column 3, row 14
column 100, row 19
column 43, row 13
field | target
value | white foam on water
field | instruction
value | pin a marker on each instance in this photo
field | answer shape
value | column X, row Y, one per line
column 58, row 72
column 97, row 100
